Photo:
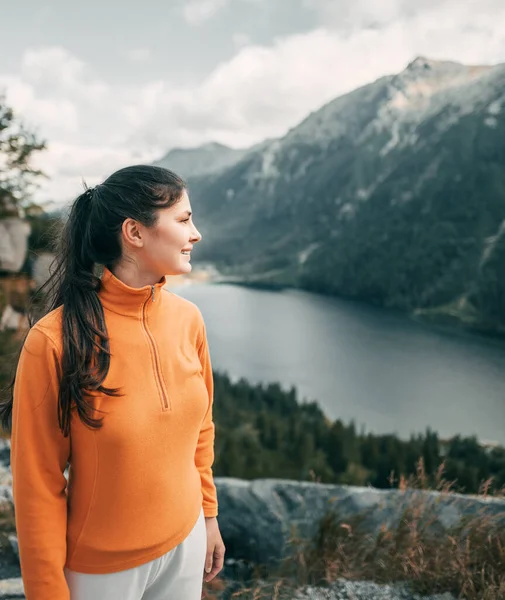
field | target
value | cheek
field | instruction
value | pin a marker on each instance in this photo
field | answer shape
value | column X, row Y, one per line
column 171, row 239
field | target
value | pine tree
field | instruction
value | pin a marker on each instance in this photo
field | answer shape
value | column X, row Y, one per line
column 18, row 178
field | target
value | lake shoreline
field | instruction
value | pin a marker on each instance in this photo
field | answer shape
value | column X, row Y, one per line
column 382, row 368
column 434, row 319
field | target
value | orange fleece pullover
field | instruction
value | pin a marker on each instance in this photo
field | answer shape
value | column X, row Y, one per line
column 136, row 486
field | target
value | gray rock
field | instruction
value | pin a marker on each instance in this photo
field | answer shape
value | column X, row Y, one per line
column 41, row 269
column 6, row 497
column 364, row 590
column 11, row 588
column 14, row 234
column 5, row 475
column 5, row 452
column 258, row 517
column 12, row 320
column 5, row 472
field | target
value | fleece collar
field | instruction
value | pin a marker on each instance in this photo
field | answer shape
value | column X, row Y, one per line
column 125, row 300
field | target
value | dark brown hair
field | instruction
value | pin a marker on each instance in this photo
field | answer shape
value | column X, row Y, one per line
column 91, row 237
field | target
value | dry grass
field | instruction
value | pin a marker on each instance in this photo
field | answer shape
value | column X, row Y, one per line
column 7, row 526
column 467, row 560
column 7, row 521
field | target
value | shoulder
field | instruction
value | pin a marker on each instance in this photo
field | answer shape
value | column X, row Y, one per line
column 190, row 314
column 47, row 332
column 186, row 308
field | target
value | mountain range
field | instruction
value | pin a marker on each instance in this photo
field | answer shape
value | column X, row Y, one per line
column 393, row 194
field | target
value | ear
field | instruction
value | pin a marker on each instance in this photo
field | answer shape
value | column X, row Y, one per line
column 132, row 233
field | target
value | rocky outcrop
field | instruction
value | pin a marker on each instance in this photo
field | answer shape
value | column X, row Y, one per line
column 11, row 588
column 257, row 518
column 364, row 590
column 41, row 268
column 12, row 320
column 14, row 234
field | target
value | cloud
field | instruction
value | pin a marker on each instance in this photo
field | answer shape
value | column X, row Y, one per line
column 82, row 118
column 348, row 15
column 240, row 40
column 136, row 55
column 197, row 11
column 94, row 127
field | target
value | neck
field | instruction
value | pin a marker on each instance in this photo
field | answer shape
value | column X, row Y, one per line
column 133, row 277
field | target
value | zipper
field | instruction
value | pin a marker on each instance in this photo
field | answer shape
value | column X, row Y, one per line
column 164, row 398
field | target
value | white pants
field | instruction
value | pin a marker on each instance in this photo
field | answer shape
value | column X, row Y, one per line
column 177, row 575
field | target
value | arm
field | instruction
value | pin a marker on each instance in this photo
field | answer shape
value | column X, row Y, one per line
column 204, row 456
column 39, row 454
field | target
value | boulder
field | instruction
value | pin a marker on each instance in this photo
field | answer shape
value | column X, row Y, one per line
column 11, row 588
column 257, row 518
column 364, row 590
column 41, row 268
column 13, row 320
column 14, row 234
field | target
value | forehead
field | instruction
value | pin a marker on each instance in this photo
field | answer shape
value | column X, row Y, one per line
column 183, row 204
column 180, row 207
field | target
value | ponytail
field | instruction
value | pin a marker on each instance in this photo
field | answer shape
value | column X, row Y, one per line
column 74, row 286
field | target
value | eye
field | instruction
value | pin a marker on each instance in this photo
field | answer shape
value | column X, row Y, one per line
column 185, row 220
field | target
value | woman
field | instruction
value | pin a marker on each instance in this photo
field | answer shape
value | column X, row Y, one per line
column 116, row 381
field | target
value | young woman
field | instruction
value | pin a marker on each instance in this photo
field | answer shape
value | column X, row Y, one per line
column 116, row 381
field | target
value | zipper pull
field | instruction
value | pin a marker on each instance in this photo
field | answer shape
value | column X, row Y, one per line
column 152, row 292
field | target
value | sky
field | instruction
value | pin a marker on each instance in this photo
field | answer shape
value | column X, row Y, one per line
column 109, row 83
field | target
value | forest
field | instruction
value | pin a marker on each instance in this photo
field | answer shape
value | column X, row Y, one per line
column 264, row 431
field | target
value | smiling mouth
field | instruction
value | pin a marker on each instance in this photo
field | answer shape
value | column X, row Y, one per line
column 186, row 252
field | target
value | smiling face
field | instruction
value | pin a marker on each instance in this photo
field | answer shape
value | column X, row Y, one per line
column 171, row 240
column 165, row 248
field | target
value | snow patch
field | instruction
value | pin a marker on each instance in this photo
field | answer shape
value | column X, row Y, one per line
column 304, row 254
column 490, row 243
column 347, row 211
column 268, row 168
column 394, row 141
column 491, row 122
column 494, row 108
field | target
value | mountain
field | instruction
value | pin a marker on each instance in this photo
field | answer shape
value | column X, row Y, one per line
column 393, row 194
column 203, row 160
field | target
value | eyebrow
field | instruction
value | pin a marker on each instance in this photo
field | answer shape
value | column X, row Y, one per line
column 187, row 212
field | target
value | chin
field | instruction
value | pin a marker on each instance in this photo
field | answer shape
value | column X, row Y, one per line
column 180, row 269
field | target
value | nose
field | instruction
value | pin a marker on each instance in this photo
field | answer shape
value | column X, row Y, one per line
column 196, row 236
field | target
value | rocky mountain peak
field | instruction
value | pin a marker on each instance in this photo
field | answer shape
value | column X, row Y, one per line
column 208, row 158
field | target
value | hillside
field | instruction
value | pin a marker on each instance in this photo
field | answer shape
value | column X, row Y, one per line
column 393, row 194
column 202, row 160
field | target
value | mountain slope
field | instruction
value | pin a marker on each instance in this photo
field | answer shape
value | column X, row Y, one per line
column 390, row 194
column 203, row 160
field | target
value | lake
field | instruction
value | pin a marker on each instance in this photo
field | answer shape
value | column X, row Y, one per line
column 380, row 368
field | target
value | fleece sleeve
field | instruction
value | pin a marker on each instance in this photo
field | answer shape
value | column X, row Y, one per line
column 204, row 456
column 39, row 455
